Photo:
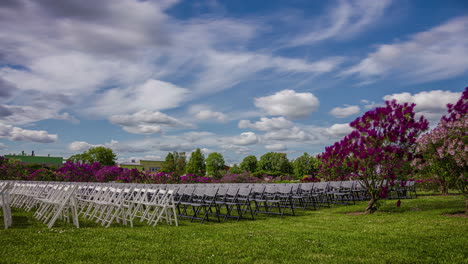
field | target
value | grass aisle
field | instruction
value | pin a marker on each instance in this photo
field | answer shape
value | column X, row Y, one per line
column 416, row 232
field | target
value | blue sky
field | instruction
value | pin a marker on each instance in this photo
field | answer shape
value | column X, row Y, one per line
column 236, row 77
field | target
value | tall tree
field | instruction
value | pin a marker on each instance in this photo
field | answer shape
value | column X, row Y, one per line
column 305, row 165
column 104, row 156
column 169, row 163
column 214, row 163
column 196, row 164
column 180, row 162
column 275, row 162
column 378, row 151
column 235, row 169
column 443, row 150
column 175, row 162
column 249, row 164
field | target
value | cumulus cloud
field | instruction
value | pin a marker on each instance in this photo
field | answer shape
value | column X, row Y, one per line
column 288, row 103
column 81, row 146
column 145, row 122
column 276, row 147
column 152, row 95
column 431, row 104
column 267, row 124
column 345, row 19
column 16, row 114
column 204, row 112
column 244, row 139
column 436, row 54
column 342, row 112
column 19, row 134
column 339, row 130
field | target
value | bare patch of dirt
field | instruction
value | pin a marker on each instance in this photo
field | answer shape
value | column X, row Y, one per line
column 356, row 213
column 457, row 214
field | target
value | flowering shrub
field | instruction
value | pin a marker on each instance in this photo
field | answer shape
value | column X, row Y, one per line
column 133, row 175
column 444, row 150
column 78, row 172
column 310, row 178
column 191, row 178
column 108, row 173
column 377, row 152
column 12, row 169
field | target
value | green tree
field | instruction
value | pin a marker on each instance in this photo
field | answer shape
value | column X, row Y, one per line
column 214, row 163
column 305, row 165
column 180, row 162
column 175, row 162
column 275, row 163
column 104, row 156
column 235, row 169
column 249, row 164
column 169, row 163
column 196, row 164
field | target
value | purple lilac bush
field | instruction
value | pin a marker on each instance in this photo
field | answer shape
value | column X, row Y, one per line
column 377, row 152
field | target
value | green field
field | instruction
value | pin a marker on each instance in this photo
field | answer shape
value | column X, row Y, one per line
column 416, row 232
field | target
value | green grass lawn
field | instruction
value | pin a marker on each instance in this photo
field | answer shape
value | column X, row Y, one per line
column 416, row 232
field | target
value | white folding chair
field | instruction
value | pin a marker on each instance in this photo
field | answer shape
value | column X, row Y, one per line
column 5, row 203
column 58, row 203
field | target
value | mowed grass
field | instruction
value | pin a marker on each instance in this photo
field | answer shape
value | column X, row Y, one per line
column 416, row 232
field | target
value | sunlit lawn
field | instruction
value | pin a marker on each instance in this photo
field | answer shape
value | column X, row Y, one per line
column 416, row 232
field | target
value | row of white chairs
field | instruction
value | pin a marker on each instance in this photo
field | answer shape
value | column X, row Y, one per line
column 103, row 203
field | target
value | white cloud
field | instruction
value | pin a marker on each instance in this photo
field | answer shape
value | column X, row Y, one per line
column 339, row 130
column 81, row 146
column 288, row 103
column 244, row 139
column 204, row 112
column 2, row 146
column 174, row 146
column 19, row 134
column 143, row 129
column 290, row 134
column 195, row 136
column 436, row 54
column 152, row 95
column 137, row 159
column 267, row 124
column 345, row 19
column 431, row 104
column 276, row 147
column 116, row 66
column 146, row 117
column 237, row 149
column 342, row 112
column 145, row 122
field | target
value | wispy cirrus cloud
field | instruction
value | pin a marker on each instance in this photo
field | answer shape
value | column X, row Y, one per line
column 436, row 54
column 344, row 19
